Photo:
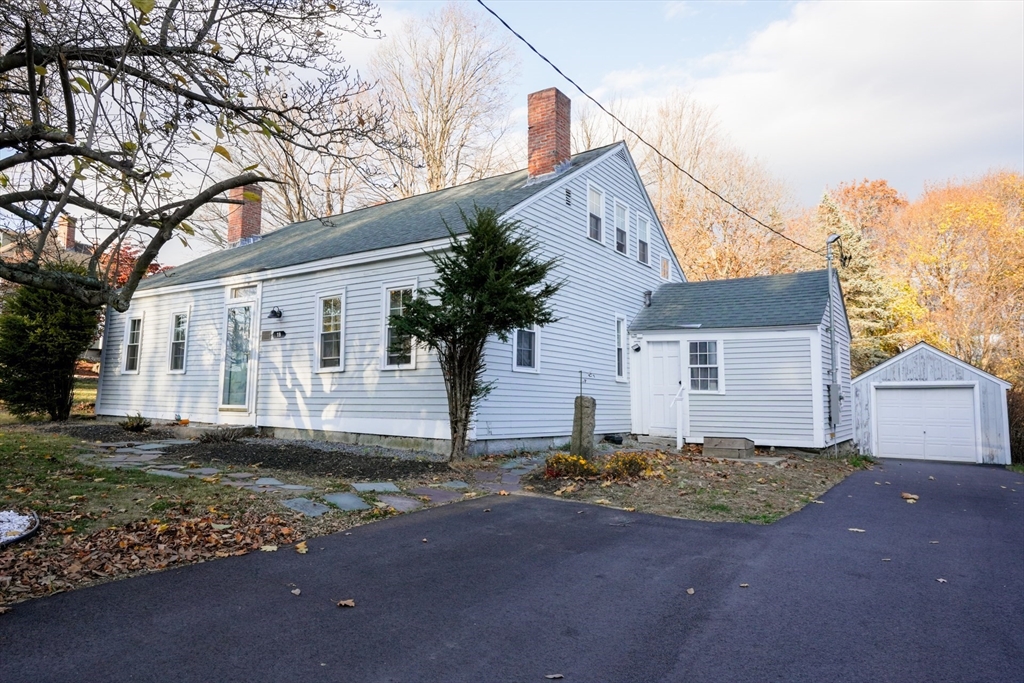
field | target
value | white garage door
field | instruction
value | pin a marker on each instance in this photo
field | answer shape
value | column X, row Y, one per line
column 934, row 423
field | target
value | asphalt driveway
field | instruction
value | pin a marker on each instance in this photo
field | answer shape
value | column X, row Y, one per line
column 537, row 587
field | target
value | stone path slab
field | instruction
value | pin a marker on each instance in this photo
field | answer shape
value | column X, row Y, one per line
column 168, row 473
column 241, row 475
column 267, row 481
column 346, row 501
column 454, row 485
column 487, row 476
column 437, row 495
column 296, row 487
column 202, row 471
column 306, row 506
column 401, row 503
column 376, row 486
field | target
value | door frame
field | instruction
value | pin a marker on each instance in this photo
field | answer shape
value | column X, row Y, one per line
column 941, row 384
column 243, row 415
column 682, row 406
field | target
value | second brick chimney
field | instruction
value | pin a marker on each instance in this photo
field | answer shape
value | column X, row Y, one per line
column 548, row 121
column 245, row 220
column 66, row 232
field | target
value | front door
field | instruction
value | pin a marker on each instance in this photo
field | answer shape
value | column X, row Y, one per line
column 665, row 382
column 237, row 356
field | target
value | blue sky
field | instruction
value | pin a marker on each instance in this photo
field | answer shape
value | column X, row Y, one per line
column 819, row 92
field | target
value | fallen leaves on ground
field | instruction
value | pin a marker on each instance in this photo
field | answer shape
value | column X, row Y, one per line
column 942, row 581
column 910, row 497
column 53, row 562
column 859, row 531
column 296, row 591
column 744, row 585
column 689, row 591
column 301, row 548
column 346, row 603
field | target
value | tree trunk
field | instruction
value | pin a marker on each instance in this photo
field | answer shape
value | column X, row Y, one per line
column 461, row 367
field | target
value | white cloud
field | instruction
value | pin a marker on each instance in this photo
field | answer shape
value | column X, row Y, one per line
column 838, row 91
column 677, row 9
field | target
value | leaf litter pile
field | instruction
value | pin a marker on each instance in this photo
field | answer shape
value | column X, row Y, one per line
column 41, row 567
column 690, row 486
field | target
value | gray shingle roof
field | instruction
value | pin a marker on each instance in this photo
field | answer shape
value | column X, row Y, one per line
column 768, row 301
column 405, row 221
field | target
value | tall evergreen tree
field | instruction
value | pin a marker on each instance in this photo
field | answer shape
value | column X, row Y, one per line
column 42, row 335
column 489, row 282
column 868, row 296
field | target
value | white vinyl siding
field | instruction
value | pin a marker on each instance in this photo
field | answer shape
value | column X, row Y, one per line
column 844, row 430
column 178, row 345
column 769, row 397
column 600, row 285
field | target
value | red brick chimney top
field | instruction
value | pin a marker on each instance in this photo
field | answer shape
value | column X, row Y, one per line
column 548, row 121
column 66, row 232
column 245, row 219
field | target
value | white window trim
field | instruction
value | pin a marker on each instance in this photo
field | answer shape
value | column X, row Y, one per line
column 536, row 351
column 170, row 342
column 124, row 346
column 333, row 294
column 664, row 273
column 647, row 219
column 385, row 288
column 720, row 357
column 624, row 377
column 586, row 208
column 255, row 301
column 615, row 238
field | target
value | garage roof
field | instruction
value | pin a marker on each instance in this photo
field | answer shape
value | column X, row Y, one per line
column 766, row 301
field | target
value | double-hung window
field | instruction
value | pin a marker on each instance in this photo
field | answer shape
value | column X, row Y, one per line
column 398, row 348
column 620, row 349
column 526, row 350
column 331, row 339
column 595, row 212
column 621, row 227
column 704, row 366
column 179, row 339
column 643, row 235
column 133, row 345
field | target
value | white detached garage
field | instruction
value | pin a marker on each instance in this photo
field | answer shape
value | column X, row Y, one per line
column 924, row 404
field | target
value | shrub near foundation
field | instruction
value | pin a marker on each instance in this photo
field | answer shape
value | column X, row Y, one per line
column 562, row 465
column 627, row 466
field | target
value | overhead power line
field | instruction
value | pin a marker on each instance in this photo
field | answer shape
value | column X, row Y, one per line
column 641, row 139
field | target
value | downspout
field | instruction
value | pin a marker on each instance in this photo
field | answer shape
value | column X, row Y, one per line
column 834, row 363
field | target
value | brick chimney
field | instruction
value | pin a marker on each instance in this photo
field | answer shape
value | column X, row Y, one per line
column 245, row 219
column 548, row 121
column 66, row 232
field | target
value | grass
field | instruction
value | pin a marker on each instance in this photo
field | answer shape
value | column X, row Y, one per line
column 1018, row 468
column 85, row 391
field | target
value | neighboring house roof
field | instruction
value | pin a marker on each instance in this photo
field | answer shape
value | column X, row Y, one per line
column 406, row 221
column 926, row 347
column 767, row 301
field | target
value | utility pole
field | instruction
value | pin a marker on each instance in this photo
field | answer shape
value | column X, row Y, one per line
column 833, row 386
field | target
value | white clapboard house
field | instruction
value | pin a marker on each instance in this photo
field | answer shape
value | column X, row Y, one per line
column 288, row 331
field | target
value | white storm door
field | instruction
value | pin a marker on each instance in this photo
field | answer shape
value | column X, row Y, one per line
column 665, row 380
column 237, row 356
column 927, row 423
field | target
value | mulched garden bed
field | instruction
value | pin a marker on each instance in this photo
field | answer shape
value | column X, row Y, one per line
column 105, row 433
column 354, row 462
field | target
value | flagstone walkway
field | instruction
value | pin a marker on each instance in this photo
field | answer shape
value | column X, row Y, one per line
column 156, row 458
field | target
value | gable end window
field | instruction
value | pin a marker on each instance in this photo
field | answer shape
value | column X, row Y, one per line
column 704, row 366
column 133, row 345
column 331, row 341
column 526, row 350
column 643, row 229
column 595, row 213
column 664, row 268
column 620, row 349
column 621, row 227
column 399, row 351
column 179, row 338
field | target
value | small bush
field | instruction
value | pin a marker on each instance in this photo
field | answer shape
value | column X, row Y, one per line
column 228, row 435
column 135, row 423
column 627, row 466
column 1015, row 409
column 860, row 462
column 563, row 465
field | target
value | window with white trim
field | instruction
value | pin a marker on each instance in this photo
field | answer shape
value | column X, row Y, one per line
column 595, row 212
column 133, row 345
column 704, row 366
column 643, row 230
column 526, row 350
column 664, row 268
column 620, row 348
column 398, row 348
column 621, row 227
column 179, row 339
column 330, row 332
column 244, row 292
